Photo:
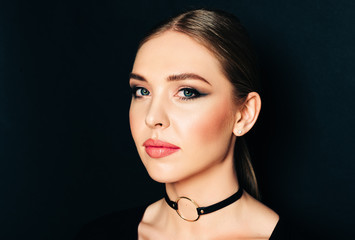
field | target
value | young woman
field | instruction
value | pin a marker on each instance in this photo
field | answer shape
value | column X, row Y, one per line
column 194, row 84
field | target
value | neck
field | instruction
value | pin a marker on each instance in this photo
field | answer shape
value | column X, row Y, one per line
column 213, row 185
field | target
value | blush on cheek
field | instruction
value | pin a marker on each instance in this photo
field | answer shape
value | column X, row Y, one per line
column 213, row 122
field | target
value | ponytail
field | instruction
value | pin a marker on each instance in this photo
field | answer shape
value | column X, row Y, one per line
column 244, row 168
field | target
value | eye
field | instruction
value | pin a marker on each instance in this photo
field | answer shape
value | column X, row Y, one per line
column 188, row 93
column 140, row 92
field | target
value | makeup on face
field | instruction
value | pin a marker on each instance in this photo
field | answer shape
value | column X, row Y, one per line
column 182, row 108
column 186, row 92
column 159, row 149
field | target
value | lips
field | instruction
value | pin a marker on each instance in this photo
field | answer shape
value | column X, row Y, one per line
column 159, row 149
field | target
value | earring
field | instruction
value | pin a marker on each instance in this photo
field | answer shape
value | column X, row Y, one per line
column 239, row 131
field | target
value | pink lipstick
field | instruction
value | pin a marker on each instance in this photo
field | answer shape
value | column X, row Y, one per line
column 159, row 149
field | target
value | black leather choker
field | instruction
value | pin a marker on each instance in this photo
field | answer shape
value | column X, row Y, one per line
column 203, row 210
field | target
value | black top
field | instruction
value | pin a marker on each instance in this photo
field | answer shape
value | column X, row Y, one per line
column 124, row 225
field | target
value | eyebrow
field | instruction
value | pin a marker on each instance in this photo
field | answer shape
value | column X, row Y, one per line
column 175, row 77
column 137, row 77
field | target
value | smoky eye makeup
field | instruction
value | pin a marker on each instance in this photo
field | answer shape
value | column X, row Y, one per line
column 183, row 93
column 189, row 93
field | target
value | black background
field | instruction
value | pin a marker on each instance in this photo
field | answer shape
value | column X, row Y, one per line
column 66, row 154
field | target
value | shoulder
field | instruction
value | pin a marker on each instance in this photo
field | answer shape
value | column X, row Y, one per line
column 261, row 220
column 113, row 226
column 284, row 230
column 265, row 222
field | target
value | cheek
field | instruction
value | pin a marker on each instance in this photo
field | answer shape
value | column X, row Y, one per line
column 210, row 123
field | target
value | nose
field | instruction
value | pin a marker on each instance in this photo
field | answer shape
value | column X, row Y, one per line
column 157, row 116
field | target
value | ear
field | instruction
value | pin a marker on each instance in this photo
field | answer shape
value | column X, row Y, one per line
column 247, row 114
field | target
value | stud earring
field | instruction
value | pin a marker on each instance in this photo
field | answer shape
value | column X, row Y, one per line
column 239, row 131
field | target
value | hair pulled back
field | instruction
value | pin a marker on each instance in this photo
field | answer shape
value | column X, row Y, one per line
column 227, row 39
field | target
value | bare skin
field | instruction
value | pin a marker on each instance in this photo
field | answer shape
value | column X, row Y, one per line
column 205, row 128
column 247, row 219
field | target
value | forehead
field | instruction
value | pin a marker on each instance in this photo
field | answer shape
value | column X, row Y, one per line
column 174, row 52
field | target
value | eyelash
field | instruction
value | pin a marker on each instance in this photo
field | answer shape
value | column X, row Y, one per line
column 194, row 92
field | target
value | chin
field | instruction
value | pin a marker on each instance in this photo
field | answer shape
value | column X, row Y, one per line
column 163, row 174
column 162, row 170
column 162, row 177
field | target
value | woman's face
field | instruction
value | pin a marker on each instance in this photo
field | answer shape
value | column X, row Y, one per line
column 182, row 111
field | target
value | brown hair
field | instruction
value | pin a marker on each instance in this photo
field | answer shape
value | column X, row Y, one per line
column 223, row 35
